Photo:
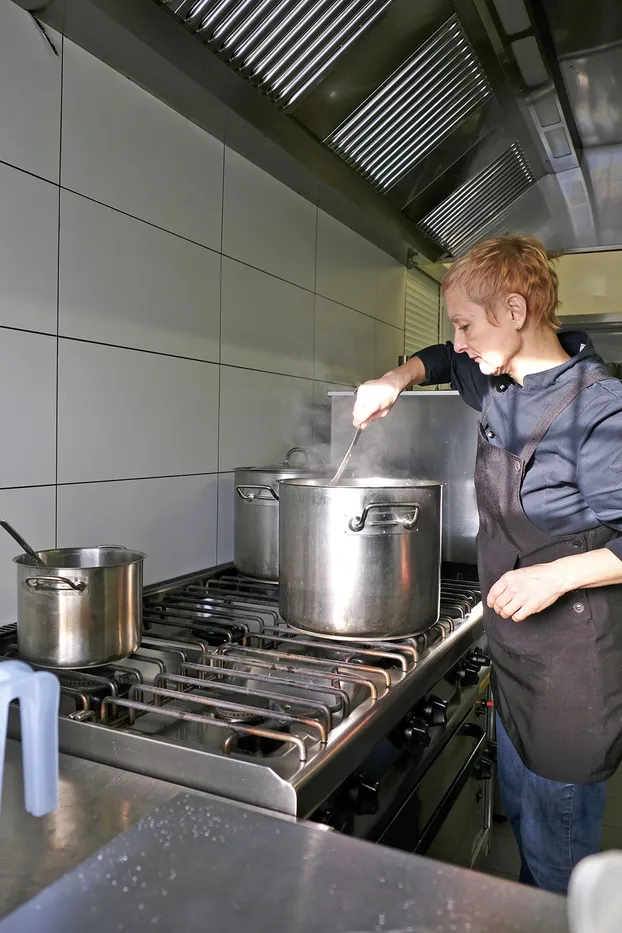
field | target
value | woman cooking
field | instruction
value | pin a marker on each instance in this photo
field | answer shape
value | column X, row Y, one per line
column 548, row 480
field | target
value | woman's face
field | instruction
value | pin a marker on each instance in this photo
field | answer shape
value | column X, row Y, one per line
column 492, row 345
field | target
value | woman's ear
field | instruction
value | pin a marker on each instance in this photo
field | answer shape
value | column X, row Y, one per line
column 517, row 307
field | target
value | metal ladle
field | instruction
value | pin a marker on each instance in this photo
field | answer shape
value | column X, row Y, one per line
column 346, row 459
column 23, row 544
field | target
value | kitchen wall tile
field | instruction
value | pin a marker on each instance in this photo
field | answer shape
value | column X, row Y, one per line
column 226, row 504
column 266, row 224
column 322, row 417
column 32, row 512
column 124, row 414
column 391, row 294
column 127, row 283
column 29, row 254
column 389, row 345
column 344, row 344
column 172, row 520
column 28, row 414
column 262, row 416
column 125, row 148
column 321, row 390
column 30, row 91
column 266, row 323
column 347, row 265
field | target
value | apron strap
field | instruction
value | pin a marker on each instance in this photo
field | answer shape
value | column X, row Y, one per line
column 560, row 405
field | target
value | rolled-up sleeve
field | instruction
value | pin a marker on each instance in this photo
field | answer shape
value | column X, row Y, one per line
column 599, row 468
column 442, row 364
column 437, row 362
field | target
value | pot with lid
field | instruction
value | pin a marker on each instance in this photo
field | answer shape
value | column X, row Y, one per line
column 360, row 560
column 256, row 516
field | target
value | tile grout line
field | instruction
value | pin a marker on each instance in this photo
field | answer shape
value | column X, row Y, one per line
column 187, row 359
column 317, row 233
column 314, row 439
column 222, row 234
column 126, row 479
column 170, row 356
column 58, row 248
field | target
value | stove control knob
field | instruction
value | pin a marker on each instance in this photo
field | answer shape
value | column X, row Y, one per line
column 467, row 674
column 482, row 706
column 416, row 734
column 365, row 796
column 435, row 711
column 479, row 660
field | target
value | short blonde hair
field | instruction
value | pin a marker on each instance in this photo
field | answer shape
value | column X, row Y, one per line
column 501, row 266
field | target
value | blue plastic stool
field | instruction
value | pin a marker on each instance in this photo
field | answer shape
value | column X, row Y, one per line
column 38, row 694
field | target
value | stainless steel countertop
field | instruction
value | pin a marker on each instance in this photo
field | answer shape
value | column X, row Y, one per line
column 201, row 863
column 96, row 804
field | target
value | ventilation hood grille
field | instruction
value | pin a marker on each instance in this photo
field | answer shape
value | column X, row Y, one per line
column 460, row 218
column 415, row 109
column 283, row 47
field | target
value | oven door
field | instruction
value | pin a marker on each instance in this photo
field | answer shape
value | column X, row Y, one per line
column 447, row 814
column 432, row 797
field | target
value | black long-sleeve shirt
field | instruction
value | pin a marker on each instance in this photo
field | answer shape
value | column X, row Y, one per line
column 574, row 481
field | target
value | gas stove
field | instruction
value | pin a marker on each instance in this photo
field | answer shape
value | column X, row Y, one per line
column 222, row 696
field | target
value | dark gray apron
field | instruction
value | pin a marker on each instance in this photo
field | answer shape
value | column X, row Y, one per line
column 557, row 677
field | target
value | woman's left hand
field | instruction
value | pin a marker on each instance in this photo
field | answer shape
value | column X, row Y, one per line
column 525, row 592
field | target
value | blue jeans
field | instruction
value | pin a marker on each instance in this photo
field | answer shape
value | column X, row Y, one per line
column 555, row 824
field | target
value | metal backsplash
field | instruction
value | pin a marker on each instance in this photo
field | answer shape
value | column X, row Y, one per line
column 431, row 435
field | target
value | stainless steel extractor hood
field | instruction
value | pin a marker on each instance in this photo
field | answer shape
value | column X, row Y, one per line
column 424, row 125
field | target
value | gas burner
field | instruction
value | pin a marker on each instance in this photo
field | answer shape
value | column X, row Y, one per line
column 237, row 717
column 258, row 739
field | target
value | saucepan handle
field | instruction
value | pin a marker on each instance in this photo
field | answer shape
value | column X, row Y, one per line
column 408, row 521
column 48, row 584
column 248, row 493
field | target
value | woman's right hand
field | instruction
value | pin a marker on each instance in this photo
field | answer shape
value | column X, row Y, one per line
column 375, row 399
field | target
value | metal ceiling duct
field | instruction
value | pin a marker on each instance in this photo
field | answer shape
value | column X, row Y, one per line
column 282, row 46
column 460, row 218
column 415, row 109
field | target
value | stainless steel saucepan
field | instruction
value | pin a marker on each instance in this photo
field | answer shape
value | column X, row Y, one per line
column 360, row 560
column 256, row 527
column 78, row 607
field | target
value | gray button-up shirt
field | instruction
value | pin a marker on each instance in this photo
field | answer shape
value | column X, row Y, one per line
column 574, row 481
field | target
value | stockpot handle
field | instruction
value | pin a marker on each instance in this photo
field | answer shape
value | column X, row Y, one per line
column 408, row 521
column 49, row 584
column 296, row 450
column 113, row 547
column 249, row 496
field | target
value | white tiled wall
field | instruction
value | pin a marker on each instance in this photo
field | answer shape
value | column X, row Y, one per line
column 167, row 313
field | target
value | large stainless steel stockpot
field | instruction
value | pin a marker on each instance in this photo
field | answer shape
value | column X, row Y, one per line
column 361, row 559
column 256, row 517
column 81, row 610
